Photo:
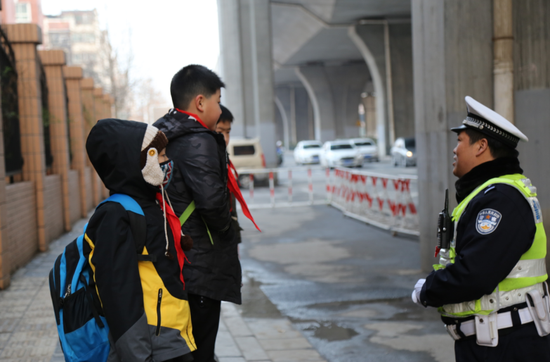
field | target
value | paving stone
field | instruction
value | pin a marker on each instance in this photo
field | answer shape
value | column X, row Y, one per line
column 237, row 327
column 251, row 349
column 272, row 328
column 284, row 344
column 231, row 359
column 225, row 344
column 8, row 325
column 295, row 355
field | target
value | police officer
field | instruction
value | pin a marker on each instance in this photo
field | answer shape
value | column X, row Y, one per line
column 490, row 288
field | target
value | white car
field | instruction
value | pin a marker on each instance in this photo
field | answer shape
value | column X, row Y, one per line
column 341, row 153
column 367, row 147
column 403, row 152
column 307, row 152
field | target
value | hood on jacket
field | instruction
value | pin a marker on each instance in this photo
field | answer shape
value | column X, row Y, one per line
column 114, row 148
column 175, row 124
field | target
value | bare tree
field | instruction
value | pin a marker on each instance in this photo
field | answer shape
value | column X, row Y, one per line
column 145, row 98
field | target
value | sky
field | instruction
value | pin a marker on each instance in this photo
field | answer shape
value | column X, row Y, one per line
column 165, row 35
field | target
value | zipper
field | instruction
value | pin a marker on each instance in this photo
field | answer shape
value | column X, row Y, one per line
column 158, row 312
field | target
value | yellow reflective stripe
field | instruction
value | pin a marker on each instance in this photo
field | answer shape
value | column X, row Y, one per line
column 517, row 283
column 538, row 249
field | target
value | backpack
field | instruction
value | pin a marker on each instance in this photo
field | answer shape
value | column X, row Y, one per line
column 82, row 328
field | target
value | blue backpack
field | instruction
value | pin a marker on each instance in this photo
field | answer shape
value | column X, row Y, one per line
column 82, row 328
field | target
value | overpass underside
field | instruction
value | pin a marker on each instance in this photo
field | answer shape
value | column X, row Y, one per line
column 302, row 69
column 308, row 69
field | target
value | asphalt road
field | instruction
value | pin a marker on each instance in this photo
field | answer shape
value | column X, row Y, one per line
column 345, row 285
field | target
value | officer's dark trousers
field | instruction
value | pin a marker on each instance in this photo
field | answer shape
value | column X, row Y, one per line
column 205, row 316
column 522, row 344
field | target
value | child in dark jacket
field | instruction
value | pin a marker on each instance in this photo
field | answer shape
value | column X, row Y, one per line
column 143, row 298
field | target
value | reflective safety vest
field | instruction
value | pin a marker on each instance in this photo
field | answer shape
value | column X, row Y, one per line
column 530, row 271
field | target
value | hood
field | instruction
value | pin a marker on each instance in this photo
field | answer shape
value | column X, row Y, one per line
column 114, row 148
column 175, row 124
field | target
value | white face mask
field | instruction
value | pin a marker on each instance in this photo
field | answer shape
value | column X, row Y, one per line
column 152, row 172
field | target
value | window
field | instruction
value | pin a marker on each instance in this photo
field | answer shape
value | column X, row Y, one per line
column 410, row 143
column 341, row 147
column 23, row 12
column 311, row 146
column 363, row 143
column 244, row 150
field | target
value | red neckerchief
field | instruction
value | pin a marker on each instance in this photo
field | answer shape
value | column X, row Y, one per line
column 194, row 116
column 175, row 227
column 236, row 191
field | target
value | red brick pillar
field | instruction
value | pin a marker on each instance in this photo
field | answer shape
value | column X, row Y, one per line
column 53, row 62
column 5, row 255
column 90, row 118
column 24, row 38
column 100, row 114
column 73, row 76
column 106, row 114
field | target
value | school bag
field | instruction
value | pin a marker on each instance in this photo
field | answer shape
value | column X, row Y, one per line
column 82, row 328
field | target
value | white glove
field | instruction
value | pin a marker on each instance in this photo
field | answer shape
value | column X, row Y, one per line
column 416, row 292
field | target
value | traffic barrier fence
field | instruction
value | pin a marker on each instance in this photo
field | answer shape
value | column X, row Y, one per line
column 377, row 199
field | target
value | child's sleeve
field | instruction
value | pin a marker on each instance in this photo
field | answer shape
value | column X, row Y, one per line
column 199, row 164
column 115, row 264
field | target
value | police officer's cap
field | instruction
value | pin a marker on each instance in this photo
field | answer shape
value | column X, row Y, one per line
column 490, row 123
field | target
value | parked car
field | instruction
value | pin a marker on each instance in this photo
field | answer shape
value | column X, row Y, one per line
column 340, row 153
column 367, row 147
column 307, row 152
column 403, row 152
column 247, row 153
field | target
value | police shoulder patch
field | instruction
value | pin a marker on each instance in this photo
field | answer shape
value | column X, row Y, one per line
column 487, row 221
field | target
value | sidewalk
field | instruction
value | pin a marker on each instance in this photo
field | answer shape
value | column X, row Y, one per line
column 28, row 331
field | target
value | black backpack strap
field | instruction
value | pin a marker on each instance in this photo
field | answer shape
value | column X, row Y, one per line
column 55, row 291
column 90, row 296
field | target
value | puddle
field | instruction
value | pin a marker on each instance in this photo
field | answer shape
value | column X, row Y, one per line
column 329, row 331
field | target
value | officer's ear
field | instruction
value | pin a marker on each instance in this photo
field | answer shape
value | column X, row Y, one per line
column 482, row 146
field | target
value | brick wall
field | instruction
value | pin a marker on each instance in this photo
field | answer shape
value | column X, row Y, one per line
column 74, row 196
column 53, row 207
column 89, row 196
column 21, row 232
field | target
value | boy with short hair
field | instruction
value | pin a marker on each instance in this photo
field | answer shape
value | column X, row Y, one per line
column 200, row 178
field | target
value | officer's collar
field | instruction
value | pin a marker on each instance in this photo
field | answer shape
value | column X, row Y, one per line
column 486, row 171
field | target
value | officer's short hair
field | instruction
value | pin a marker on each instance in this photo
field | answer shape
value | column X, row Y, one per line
column 226, row 115
column 497, row 148
column 190, row 81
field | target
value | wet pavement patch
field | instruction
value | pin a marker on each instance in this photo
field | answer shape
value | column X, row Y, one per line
column 330, row 331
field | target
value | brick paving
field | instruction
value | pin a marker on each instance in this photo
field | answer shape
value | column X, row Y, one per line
column 28, row 331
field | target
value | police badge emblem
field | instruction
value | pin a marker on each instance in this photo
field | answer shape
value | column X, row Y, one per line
column 487, row 221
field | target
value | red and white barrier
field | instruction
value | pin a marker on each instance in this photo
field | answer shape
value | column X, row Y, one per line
column 312, row 198
column 382, row 200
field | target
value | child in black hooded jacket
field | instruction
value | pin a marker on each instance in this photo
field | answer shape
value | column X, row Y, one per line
column 144, row 301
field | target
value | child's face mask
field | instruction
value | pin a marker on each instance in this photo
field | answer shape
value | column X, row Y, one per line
column 167, row 170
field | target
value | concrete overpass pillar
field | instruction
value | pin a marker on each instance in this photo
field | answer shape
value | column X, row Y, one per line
column 315, row 80
column 453, row 57
column 347, row 83
column 386, row 47
column 245, row 34
column 231, row 67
